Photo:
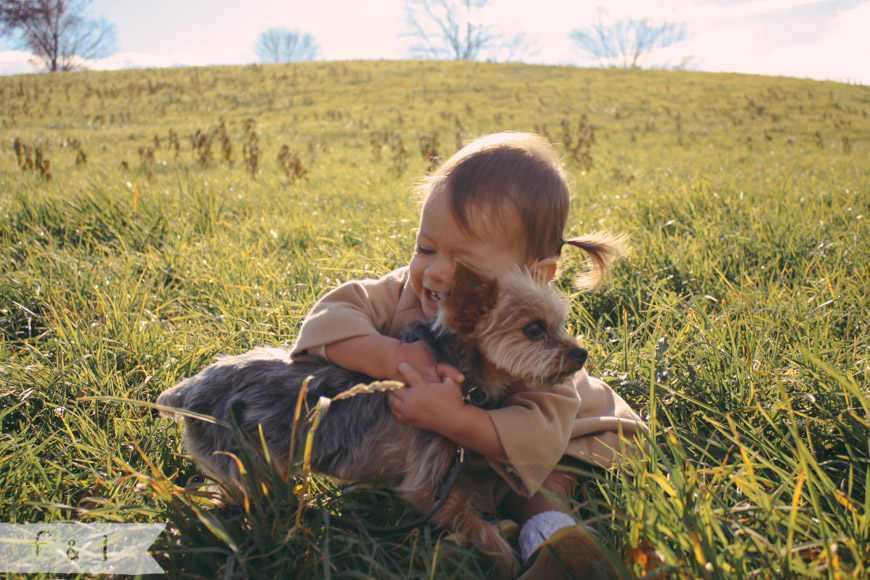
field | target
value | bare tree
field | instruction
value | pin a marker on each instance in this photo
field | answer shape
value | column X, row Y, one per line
column 456, row 30
column 58, row 31
column 282, row 45
column 628, row 43
column 518, row 47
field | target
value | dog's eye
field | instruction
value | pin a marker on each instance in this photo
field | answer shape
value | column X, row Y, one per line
column 535, row 330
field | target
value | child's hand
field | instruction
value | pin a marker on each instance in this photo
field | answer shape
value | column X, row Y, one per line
column 438, row 406
column 418, row 356
column 425, row 404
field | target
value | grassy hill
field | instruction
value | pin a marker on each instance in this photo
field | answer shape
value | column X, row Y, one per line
column 152, row 220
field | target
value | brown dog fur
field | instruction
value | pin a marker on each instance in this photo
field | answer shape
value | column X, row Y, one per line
column 502, row 334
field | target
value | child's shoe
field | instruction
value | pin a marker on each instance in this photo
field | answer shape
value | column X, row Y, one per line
column 569, row 551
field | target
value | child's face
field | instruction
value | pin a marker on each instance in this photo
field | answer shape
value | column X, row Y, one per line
column 497, row 247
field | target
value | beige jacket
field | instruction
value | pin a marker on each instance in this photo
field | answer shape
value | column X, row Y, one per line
column 585, row 420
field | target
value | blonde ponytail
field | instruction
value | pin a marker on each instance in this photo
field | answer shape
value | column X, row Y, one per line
column 604, row 249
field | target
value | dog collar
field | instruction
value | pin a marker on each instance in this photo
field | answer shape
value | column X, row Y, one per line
column 474, row 395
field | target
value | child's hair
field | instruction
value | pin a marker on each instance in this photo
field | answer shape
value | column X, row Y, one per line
column 523, row 170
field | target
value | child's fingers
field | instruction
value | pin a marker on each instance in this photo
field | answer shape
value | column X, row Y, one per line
column 415, row 379
column 394, row 400
column 410, row 375
column 445, row 370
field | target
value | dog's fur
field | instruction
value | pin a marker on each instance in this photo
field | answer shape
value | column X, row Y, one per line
column 502, row 334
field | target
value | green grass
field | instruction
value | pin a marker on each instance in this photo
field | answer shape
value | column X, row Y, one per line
column 738, row 327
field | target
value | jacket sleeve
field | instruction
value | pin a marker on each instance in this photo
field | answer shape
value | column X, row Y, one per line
column 534, row 428
column 583, row 418
column 606, row 427
column 356, row 308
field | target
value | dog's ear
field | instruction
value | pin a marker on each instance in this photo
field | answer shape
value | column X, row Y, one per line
column 472, row 296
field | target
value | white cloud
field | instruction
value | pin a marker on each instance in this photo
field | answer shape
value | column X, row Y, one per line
column 356, row 30
column 842, row 54
column 18, row 62
column 14, row 62
column 133, row 59
column 839, row 53
column 712, row 13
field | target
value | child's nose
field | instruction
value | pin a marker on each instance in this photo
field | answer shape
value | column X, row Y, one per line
column 440, row 269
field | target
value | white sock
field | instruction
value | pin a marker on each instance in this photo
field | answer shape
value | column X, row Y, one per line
column 539, row 528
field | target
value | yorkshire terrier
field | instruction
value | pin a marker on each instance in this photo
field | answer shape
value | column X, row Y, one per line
column 503, row 335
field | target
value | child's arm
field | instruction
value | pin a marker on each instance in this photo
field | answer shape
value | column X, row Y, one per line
column 523, row 439
column 597, row 423
column 379, row 356
column 528, row 435
column 354, row 327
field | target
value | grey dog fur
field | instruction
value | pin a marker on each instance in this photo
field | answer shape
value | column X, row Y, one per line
column 480, row 329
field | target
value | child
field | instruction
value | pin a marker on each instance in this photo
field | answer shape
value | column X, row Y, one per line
column 500, row 201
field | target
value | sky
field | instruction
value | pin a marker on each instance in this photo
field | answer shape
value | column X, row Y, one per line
column 824, row 40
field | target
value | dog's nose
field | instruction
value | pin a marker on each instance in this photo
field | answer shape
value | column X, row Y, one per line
column 579, row 354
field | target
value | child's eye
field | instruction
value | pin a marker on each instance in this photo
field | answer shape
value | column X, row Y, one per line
column 535, row 330
column 424, row 251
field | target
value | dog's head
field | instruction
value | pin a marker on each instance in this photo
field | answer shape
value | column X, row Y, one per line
column 516, row 322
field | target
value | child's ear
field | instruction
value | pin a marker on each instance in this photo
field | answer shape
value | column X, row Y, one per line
column 471, row 297
column 545, row 269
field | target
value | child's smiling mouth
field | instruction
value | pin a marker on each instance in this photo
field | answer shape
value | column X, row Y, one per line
column 432, row 299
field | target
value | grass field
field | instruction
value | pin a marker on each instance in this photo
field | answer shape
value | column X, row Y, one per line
column 169, row 227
